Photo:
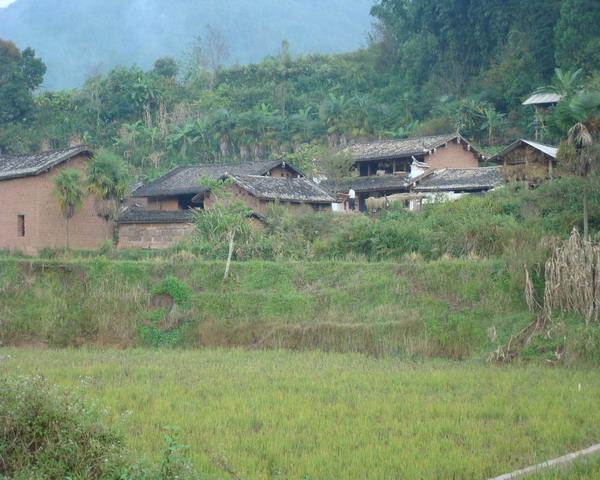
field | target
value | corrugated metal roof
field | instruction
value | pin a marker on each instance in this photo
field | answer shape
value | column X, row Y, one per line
column 543, row 99
column 545, row 149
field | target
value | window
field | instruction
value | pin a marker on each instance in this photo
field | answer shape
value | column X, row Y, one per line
column 21, row 225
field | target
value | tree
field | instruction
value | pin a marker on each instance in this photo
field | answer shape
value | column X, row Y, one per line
column 564, row 83
column 69, row 195
column 107, row 178
column 576, row 35
column 580, row 152
column 21, row 73
column 166, row 67
column 492, row 122
column 224, row 221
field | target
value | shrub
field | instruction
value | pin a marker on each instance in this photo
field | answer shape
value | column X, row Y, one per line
column 48, row 433
column 45, row 433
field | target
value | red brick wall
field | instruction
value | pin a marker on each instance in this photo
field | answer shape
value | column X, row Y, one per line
column 452, row 156
column 44, row 223
column 152, row 235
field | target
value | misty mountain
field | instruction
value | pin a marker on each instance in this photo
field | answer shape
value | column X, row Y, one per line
column 76, row 38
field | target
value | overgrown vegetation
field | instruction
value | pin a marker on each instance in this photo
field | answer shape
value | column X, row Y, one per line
column 46, row 432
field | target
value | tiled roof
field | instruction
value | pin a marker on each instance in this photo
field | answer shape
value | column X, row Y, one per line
column 15, row 166
column 543, row 99
column 139, row 215
column 396, row 182
column 398, row 148
column 461, row 179
column 185, row 180
column 297, row 190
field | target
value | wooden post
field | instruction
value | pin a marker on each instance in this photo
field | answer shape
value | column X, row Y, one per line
column 229, row 255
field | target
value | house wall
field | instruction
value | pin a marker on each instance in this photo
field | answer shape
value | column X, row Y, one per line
column 452, row 156
column 152, row 235
column 44, row 223
column 166, row 203
column 282, row 172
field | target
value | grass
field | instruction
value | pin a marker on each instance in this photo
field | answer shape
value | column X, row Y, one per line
column 280, row 414
column 411, row 308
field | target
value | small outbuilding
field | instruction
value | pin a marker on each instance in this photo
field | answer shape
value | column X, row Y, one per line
column 526, row 160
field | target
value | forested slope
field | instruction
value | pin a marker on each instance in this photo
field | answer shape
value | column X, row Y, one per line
column 77, row 38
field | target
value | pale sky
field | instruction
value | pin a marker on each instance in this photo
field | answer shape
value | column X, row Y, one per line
column 5, row 3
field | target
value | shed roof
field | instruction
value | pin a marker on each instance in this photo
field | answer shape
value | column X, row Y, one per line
column 296, row 190
column 15, row 166
column 543, row 99
column 406, row 147
column 185, row 180
column 377, row 183
column 548, row 150
column 461, row 179
column 139, row 215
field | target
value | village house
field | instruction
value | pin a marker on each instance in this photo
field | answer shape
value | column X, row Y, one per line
column 256, row 192
column 160, row 215
column 453, row 183
column 390, row 167
column 528, row 161
column 30, row 218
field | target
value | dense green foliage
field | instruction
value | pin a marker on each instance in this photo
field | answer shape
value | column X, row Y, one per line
column 20, row 74
column 290, row 415
column 430, row 67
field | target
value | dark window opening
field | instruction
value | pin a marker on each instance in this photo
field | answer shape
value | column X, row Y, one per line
column 185, row 202
column 21, row 225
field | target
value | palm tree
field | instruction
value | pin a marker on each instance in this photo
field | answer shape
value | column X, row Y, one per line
column 580, row 152
column 492, row 122
column 108, row 180
column 69, row 195
column 563, row 84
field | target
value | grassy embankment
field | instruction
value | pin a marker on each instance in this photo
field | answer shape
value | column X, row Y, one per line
column 317, row 415
column 447, row 308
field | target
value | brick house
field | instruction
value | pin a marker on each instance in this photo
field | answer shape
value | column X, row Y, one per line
column 389, row 167
column 160, row 216
column 30, row 218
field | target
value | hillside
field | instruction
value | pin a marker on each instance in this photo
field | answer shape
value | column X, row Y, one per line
column 77, row 38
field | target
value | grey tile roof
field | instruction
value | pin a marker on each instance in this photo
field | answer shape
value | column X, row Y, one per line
column 398, row 148
column 548, row 150
column 461, row 180
column 185, row 180
column 296, row 190
column 139, row 215
column 15, row 166
column 397, row 182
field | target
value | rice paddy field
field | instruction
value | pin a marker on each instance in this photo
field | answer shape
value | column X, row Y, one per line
column 314, row 415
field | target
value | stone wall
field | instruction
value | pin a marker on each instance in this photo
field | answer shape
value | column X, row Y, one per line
column 152, row 235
